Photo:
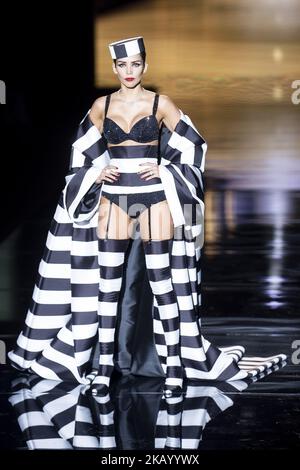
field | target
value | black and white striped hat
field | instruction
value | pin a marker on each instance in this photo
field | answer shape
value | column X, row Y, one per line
column 127, row 47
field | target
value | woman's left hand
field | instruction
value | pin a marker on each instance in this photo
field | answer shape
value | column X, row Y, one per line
column 149, row 171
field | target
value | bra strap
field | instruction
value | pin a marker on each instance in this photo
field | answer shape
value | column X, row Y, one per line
column 155, row 103
column 106, row 104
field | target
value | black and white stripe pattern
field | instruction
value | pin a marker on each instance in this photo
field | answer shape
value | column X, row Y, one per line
column 126, row 47
column 56, row 415
column 111, row 264
column 181, row 420
column 160, row 277
column 61, row 326
column 52, row 415
column 128, row 160
column 181, row 170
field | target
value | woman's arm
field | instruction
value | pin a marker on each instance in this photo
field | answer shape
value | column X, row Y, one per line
column 97, row 112
column 97, row 118
column 89, row 157
column 169, row 111
column 182, row 154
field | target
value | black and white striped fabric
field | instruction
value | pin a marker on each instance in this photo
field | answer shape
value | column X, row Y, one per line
column 128, row 159
column 181, row 420
column 52, row 416
column 56, row 415
column 61, row 326
column 126, row 47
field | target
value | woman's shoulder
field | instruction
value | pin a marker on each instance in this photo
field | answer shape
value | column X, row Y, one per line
column 168, row 106
column 169, row 111
column 99, row 105
column 162, row 98
column 165, row 100
column 97, row 111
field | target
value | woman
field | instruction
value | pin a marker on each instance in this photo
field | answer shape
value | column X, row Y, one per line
column 143, row 192
column 136, row 159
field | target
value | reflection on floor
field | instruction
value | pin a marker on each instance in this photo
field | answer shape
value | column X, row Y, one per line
column 44, row 414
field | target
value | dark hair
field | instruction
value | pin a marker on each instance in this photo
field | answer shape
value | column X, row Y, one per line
column 143, row 54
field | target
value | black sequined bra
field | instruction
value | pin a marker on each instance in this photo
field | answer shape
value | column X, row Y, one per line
column 144, row 130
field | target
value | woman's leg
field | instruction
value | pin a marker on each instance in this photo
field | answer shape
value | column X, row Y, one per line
column 157, row 232
column 113, row 232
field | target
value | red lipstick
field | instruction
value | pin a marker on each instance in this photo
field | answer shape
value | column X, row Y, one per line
column 129, row 79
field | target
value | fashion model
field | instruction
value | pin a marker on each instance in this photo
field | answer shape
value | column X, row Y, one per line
column 132, row 203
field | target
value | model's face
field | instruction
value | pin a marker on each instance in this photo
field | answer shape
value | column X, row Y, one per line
column 130, row 67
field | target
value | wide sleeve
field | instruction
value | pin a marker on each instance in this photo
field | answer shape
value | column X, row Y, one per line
column 89, row 155
column 182, row 160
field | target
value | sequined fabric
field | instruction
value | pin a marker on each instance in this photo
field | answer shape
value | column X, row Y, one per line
column 144, row 130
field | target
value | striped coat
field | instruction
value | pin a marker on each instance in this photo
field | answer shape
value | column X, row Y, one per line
column 59, row 339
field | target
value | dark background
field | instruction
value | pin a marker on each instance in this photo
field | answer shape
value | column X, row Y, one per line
column 47, row 64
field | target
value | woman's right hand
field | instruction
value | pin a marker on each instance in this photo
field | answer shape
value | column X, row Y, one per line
column 109, row 173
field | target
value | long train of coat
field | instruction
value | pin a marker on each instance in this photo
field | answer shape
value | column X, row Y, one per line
column 60, row 336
